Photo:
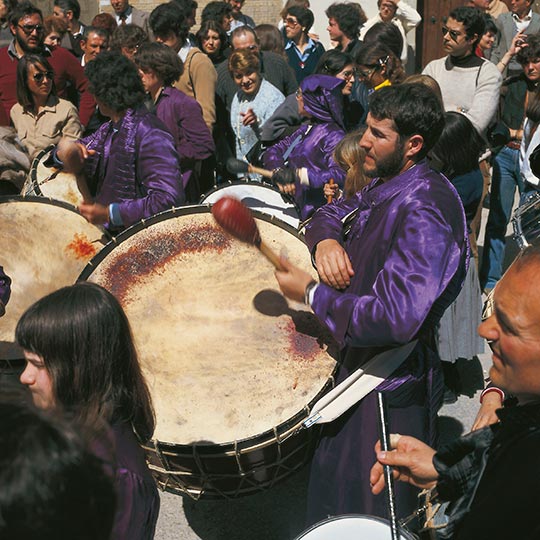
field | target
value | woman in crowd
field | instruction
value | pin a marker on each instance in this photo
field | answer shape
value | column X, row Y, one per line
column 488, row 37
column 303, row 53
column 126, row 39
column 212, row 40
column 287, row 118
column 40, row 117
column 55, row 29
column 303, row 162
column 270, row 39
column 81, row 360
column 378, row 66
column 255, row 101
column 159, row 67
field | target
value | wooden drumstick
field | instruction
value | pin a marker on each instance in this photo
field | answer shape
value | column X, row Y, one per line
column 330, row 197
column 237, row 166
column 235, row 218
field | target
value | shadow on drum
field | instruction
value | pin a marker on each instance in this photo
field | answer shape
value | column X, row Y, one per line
column 272, row 303
column 252, row 202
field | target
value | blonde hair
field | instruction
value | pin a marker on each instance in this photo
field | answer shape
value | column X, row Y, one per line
column 350, row 157
column 244, row 61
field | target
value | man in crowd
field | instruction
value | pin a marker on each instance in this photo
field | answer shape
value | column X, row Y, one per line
column 26, row 24
column 169, row 26
column 125, row 13
column 491, row 475
column 385, row 282
column 239, row 18
column 70, row 11
column 94, row 41
column 344, row 23
column 520, row 20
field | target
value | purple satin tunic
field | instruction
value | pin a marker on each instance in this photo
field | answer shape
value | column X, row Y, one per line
column 408, row 247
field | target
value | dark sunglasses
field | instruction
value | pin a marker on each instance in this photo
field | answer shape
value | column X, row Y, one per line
column 289, row 21
column 29, row 28
column 453, row 33
column 40, row 75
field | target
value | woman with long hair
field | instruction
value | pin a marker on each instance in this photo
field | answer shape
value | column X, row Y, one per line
column 213, row 41
column 40, row 117
column 378, row 66
column 81, row 360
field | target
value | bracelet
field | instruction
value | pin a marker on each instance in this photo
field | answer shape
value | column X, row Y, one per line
column 308, row 289
column 492, row 389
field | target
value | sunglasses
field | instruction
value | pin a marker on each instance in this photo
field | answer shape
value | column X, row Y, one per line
column 289, row 21
column 453, row 33
column 40, row 75
column 366, row 74
column 29, row 28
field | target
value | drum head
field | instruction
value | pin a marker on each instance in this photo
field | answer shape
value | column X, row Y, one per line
column 258, row 196
column 44, row 245
column 51, row 182
column 352, row 527
column 225, row 356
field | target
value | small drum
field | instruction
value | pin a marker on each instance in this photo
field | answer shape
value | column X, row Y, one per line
column 49, row 182
column 44, row 245
column 353, row 527
column 232, row 367
column 258, row 196
column 526, row 221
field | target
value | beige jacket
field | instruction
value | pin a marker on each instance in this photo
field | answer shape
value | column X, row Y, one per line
column 59, row 118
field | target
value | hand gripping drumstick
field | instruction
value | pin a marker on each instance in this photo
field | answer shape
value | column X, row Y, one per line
column 236, row 166
column 329, row 198
column 236, row 219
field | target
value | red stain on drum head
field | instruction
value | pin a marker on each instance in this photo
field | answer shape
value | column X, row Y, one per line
column 302, row 347
column 81, row 247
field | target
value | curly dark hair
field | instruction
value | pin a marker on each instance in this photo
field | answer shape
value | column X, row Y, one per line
column 114, row 80
column 21, row 10
column 349, row 16
column 216, row 11
column 472, row 19
column 161, row 59
column 169, row 18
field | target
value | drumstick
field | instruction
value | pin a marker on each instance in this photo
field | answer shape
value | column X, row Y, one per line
column 236, row 166
column 236, row 218
column 388, row 477
column 330, row 197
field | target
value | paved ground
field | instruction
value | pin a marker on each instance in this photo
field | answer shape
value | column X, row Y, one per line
column 278, row 513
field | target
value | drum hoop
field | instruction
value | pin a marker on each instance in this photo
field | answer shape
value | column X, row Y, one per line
column 281, row 431
column 349, row 516
column 265, row 185
column 40, row 199
column 33, row 169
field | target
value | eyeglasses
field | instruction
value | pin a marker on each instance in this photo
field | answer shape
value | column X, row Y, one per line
column 366, row 74
column 289, row 21
column 348, row 75
column 40, row 75
column 29, row 28
column 454, row 34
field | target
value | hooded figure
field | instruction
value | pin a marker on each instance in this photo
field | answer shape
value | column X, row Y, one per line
column 304, row 161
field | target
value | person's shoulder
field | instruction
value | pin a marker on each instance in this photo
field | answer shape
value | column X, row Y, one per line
column 178, row 97
column 270, row 57
column 65, row 105
column 196, row 57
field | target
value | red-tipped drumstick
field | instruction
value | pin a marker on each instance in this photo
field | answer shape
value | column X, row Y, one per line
column 330, row 197
column 236, row 219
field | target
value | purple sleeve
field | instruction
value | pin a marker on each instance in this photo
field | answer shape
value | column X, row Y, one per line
column 415, row 273
column 5, row 287
column 321, row 171
column 273, row 156
column 159, row 172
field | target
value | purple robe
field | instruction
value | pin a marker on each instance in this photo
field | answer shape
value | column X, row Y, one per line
column 136, row 165
column 408, row 247
column 182, row 115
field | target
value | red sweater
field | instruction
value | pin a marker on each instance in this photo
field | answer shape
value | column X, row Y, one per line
column 66, row 69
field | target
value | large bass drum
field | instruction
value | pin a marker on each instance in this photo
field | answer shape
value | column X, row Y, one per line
column 232, row 367
column 258, row 196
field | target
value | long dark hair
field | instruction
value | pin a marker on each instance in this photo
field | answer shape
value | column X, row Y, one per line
column 24, row 95
column 377, row 55
column 332, row 62
column 84, row 338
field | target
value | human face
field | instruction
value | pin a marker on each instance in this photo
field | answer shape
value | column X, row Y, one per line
column 513, row 333
column 487, row 41
column 92, row 46
column 245, row 41
column 150, row 80
column 293, row 29
column 372, row 76
column 532, row 69
column 249, row 83
column 59, row 12
column 171, row 40
column 29, row 33
column 119, row 6
column 520, row 7
column 226, row 22
column 455, row 41
column 334, row 31
column 236, row 6
column 53, row 40
column 481, row 4
column 387, row 10
column 383, row 147
column 211, row 43
column 38, row 380
column 39, row 81
column 3, row 10
column 347, row 74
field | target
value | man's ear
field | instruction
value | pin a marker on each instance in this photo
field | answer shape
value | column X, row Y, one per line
column 473, row 38
column 413, row 146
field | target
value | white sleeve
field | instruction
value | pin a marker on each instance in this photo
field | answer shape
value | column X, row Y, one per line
column 409, row 17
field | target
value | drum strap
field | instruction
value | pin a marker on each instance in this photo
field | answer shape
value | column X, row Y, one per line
column 295, row 143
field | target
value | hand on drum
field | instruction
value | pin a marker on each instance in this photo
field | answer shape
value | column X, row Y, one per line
column 293, row 281
column 411, row 460
column 73, row 155
column 95, row 213
column 333, row 264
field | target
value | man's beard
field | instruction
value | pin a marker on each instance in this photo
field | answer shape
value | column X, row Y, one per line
column 389, row 166
column 29, row 50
